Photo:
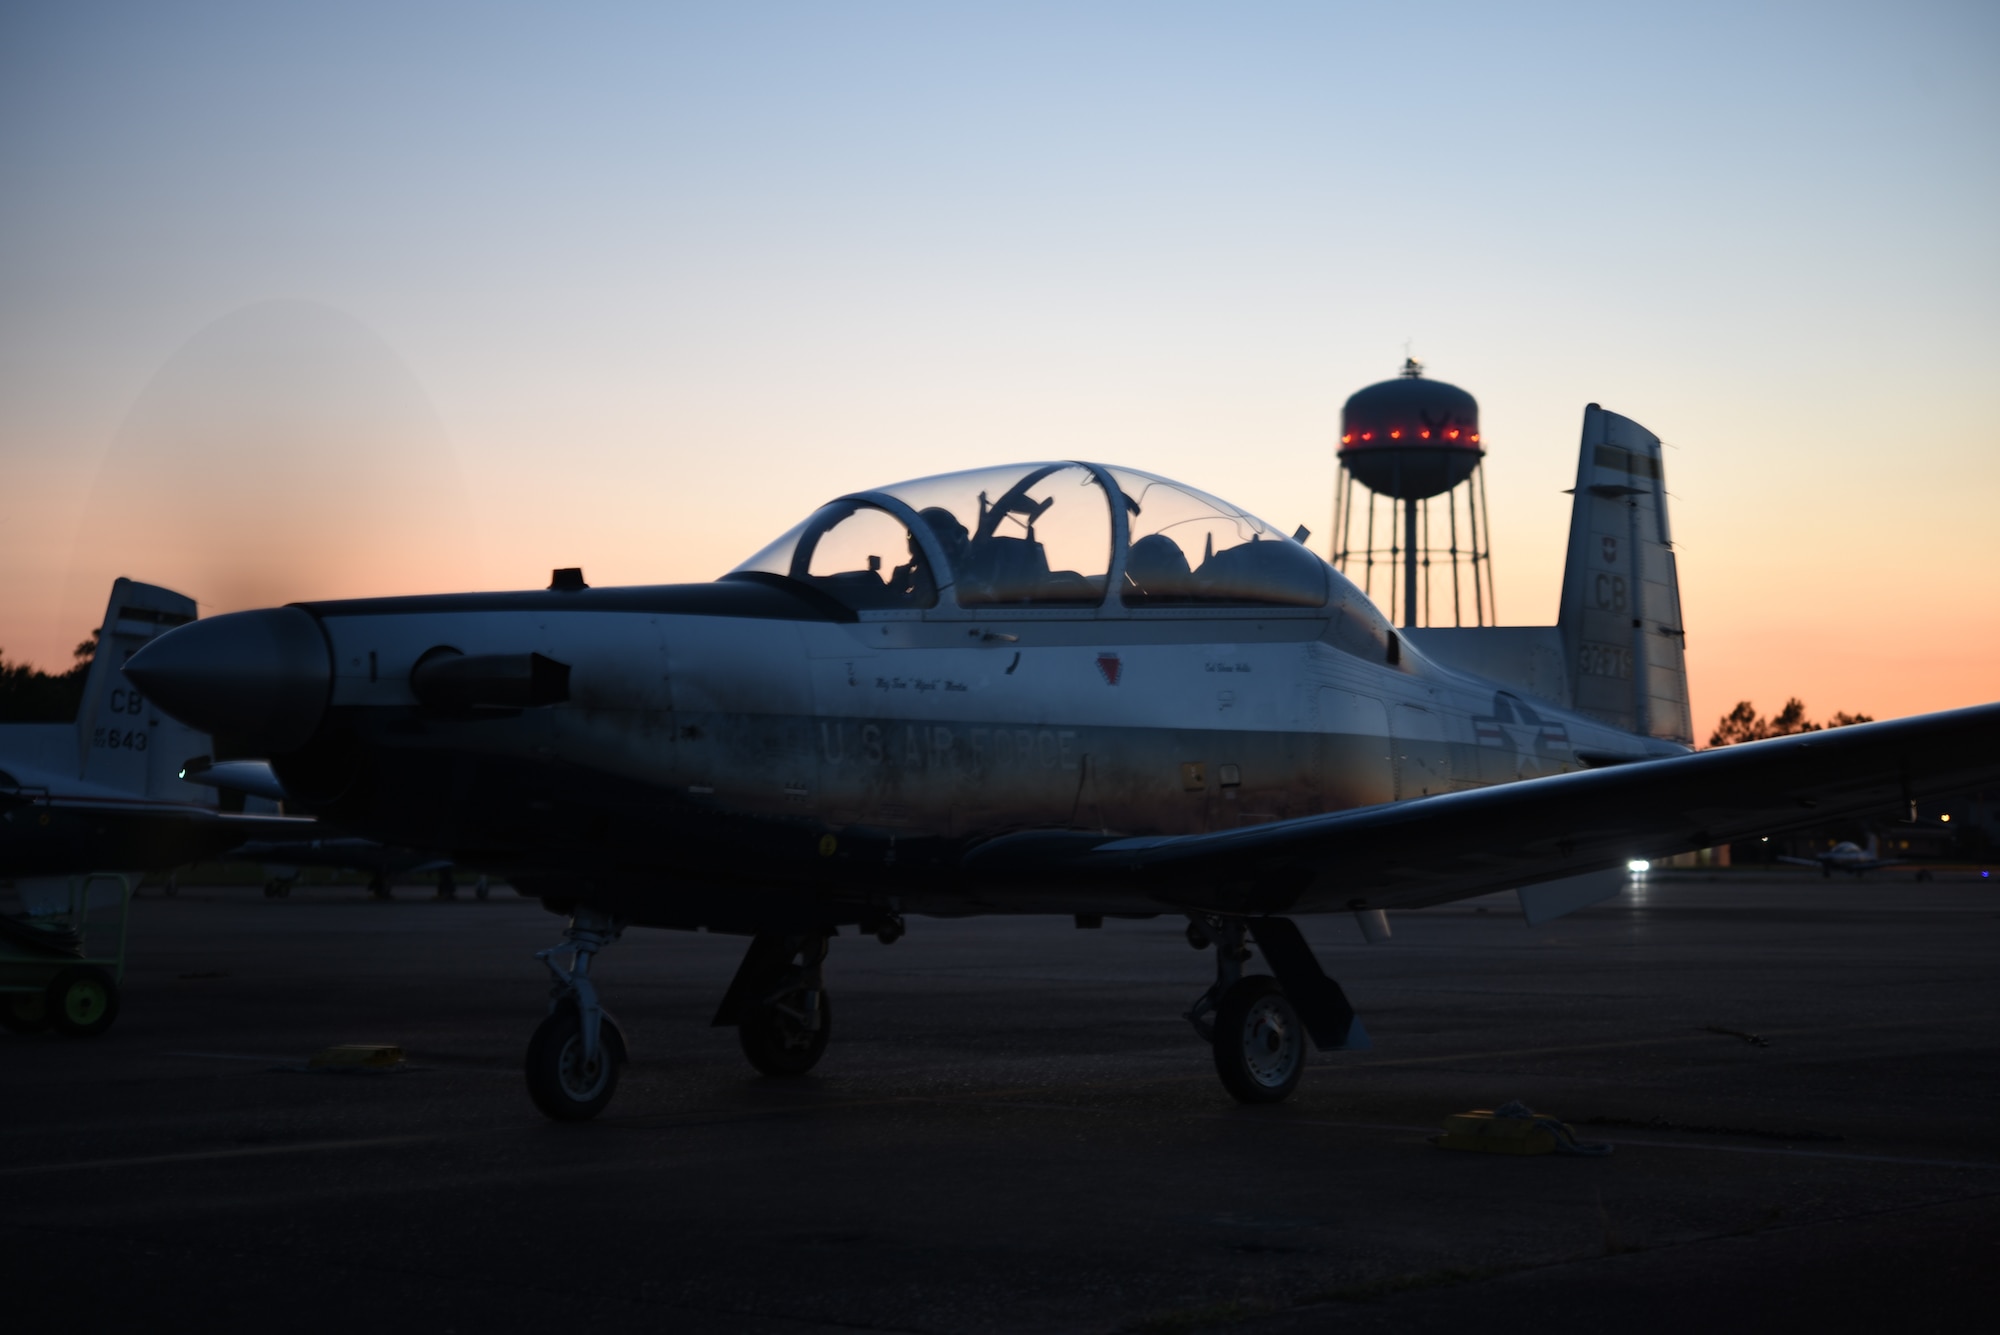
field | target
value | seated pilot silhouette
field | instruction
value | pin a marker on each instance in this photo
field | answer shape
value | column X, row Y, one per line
column 950, row 534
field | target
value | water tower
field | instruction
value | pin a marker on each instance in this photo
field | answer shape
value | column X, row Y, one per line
column 1409, row 442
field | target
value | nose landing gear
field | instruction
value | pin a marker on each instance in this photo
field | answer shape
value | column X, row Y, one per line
column 574, row 1056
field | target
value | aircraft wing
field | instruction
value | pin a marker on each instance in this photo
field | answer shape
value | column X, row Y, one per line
column 1436, row 849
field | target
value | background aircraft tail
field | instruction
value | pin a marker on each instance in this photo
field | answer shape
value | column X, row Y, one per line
column 1620, row 623
column 122, row 740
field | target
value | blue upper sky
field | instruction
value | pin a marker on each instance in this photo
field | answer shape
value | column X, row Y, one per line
column 669, row 274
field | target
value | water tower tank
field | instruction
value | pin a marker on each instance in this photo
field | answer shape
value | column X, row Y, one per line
column 1410, row 438
column 1407, row 442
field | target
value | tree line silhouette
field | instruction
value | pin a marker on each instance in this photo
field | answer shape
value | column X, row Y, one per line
column 1745, row 724
column 30, row 695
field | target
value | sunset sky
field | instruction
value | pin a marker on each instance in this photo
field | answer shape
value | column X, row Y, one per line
column 303, row 301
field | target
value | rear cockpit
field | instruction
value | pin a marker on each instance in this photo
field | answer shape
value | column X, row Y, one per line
column 1049, row 535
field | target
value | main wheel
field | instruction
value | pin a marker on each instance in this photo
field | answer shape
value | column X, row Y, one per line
column 82, row 1001
column 1260, row 1046
column 24, row 1013
column 561, row 1082
column 777, row 1041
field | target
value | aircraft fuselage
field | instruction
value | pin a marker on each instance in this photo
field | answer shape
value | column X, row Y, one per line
column 771, row 743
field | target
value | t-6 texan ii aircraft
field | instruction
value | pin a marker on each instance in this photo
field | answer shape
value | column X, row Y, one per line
column 1844, row 856
column 120, row 789
column 1046, row 688
column 108, row 791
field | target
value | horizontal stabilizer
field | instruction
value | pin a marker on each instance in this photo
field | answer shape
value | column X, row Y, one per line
column 253, row 778
column 1529, row 658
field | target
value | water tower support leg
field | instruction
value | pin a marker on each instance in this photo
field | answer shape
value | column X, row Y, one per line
column 1409, row 563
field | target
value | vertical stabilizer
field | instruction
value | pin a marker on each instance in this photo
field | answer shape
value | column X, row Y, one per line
column 123, row 741
column 1621, row 601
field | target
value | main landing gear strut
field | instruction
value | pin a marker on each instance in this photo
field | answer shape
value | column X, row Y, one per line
column 574, row 1057
column 1258, row 1024
column 779, row 1005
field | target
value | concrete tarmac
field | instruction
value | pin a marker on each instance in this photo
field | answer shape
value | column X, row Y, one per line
column 1014, row 1130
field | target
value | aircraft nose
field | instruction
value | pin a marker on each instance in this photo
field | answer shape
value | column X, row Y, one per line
column 260, row 679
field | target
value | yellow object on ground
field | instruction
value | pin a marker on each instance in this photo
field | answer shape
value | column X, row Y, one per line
column 374, row 1056
column 1513, row 1129
column 1481, row 1130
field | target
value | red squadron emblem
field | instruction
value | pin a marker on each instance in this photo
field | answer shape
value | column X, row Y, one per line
column 1109, row 665
column 1611, row 551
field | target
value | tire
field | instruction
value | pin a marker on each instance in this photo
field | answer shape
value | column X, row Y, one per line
column 1260, row 1044
column 558, row 1082
column 778, row 1043
column 24, row 1012
column 82, row 1001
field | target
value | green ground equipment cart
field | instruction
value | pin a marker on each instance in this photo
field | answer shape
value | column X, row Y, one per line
column 54, row 972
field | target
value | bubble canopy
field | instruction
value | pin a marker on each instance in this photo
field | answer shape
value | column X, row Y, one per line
column 1043, row 535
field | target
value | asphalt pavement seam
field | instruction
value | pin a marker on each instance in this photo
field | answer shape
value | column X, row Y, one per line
column 195, row 1156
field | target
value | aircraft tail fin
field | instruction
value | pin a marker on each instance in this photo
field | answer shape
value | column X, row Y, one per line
column 1621, row 601
column 123, row 741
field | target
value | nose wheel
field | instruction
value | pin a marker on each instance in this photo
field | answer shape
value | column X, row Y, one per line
column 566, row 1081
column 574, row 1056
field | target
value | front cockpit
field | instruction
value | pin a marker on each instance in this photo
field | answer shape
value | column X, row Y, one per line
column 1049, row 535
